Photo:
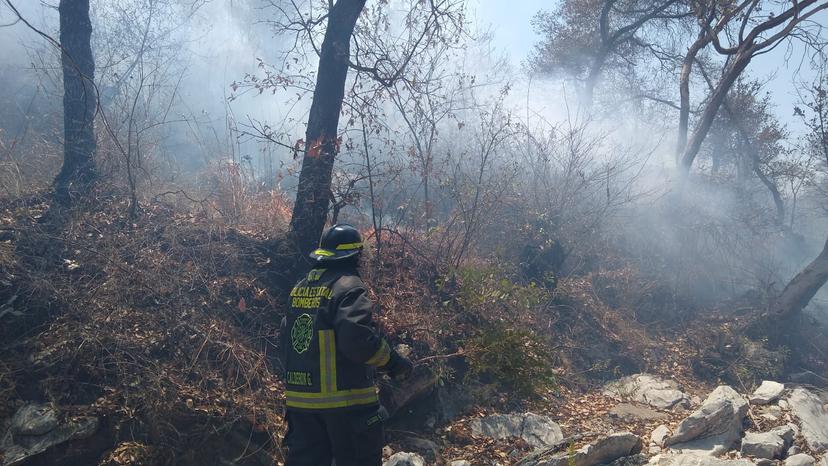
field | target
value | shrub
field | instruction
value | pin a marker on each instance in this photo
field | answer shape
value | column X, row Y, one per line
column 490, row 288
column 756, row 362
column 513, row 359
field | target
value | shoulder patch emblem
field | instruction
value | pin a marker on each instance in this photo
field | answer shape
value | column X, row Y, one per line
column 315, row 275
column 302, row 333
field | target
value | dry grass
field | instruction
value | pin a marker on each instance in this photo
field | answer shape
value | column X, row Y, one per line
column 140, row 321
column 166, row 326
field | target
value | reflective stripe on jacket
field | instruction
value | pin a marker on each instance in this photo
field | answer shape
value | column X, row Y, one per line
column 330, row 344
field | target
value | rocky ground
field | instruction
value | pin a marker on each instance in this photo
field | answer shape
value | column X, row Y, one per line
column 637, row 420
column 640, row 419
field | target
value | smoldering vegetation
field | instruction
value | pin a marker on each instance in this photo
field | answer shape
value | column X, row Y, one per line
column 629, row 195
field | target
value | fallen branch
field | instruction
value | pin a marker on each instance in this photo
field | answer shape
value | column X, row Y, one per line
column 534, row 457
column 8, row 309
column 439, row 356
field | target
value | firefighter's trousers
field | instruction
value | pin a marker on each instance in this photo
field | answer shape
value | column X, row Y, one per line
column 352, row 438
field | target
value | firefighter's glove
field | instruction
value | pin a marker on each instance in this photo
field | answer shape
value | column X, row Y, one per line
column 399, row 367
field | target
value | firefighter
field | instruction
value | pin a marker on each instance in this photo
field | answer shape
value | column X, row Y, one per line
column 331, row 349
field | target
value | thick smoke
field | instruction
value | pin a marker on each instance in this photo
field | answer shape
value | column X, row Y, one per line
column 226, row 41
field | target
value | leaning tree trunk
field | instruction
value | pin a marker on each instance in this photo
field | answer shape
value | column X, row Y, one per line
column 691, row 149
column 79, row 98
column 802, row 288
column 321, row 144
column 684, row 90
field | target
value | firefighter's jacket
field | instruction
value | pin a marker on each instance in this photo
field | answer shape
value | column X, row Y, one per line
column 330, row 345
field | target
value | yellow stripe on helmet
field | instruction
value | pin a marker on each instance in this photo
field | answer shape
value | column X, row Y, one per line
column 349, row 246
column 324, row 252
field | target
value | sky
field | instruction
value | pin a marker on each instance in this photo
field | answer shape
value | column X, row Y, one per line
column 229, row 40
column 510, row 21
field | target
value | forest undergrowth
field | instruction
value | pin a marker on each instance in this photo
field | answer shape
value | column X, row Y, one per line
column 165, row 329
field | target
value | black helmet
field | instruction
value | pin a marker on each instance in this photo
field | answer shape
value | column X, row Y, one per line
column 338, row 242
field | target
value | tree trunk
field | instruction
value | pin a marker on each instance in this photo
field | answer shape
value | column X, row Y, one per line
column 740, row 62
column 684, row 91
column 601, row 57
column 802, row 288
column 321, row 145
column 593, row 76
column 79, row 98
column 779, row 220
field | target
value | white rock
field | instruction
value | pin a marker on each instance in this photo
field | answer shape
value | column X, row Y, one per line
column 787, row 432
column 647, row 389
column 659, row 434
column 602, row 451
column 35, row 429
column 813, row 418
column 636, row 411
column 767, row 393
column 538, row 431
column 763, row 445
column 794, row 450
column 714, row 427
column 34, row 419
column 793, row 427
column 800, row 460
column 783, row 404
column 771, row 410
column 690, row 459
column 460, row 463
column 405, row 459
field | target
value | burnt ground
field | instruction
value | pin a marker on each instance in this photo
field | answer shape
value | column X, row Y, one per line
column 165, row 328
